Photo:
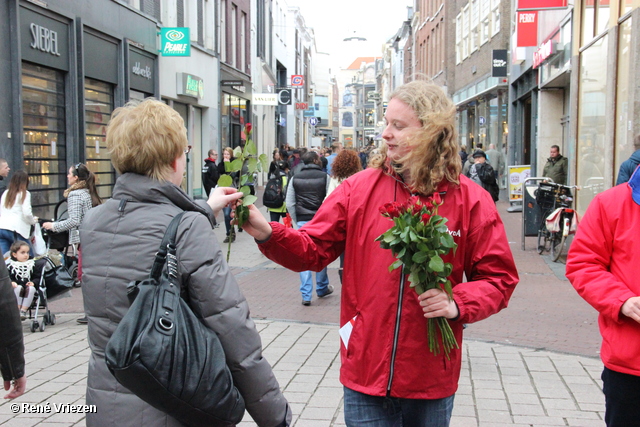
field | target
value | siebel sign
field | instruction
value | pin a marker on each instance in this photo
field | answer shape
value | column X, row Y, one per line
column 44, row 39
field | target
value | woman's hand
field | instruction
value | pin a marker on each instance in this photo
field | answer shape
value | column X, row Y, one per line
column 19, row 387
column 219, row 198
column 257, row 226
column 30, row 284
column 14, row 284
column 436, row 303
column 47, row 225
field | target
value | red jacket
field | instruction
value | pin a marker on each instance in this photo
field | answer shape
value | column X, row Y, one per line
column 349, row 220
column 603, row 266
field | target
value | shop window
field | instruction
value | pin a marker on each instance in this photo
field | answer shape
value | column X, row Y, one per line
column 624, row 140
column 591, row 122
column 44, row 142
column 98, row 106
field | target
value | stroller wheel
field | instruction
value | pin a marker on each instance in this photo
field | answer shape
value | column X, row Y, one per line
column 46, row 319
column 34, row 326
column 42, row 326
column 52, row 319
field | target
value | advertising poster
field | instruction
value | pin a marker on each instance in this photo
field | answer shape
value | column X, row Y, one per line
column 517, row 175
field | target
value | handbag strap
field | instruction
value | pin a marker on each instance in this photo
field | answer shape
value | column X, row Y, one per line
column 167, row 248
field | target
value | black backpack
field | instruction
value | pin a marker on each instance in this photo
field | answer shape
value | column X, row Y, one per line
column 273, row 196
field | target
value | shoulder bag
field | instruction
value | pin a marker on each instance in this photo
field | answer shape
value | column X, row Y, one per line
column 166, row 356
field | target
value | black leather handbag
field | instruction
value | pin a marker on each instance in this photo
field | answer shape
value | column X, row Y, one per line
column 166, row 356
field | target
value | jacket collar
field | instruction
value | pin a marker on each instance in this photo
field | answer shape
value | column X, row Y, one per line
column 634, row 183
column 141, row 188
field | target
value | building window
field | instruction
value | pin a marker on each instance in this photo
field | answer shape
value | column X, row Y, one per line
column 98, row 102
column 591, row 122
column 243, row 43
column 44, row 141
column 475, row 15
column 222, row 36
column 234, row 36
column 495, row 17
column 465, row 32
column 624, row 141
column 485, row 19
column 459, row 38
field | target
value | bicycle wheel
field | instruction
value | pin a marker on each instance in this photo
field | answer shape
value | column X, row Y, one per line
column 558, row 249
column 541, row 241
column 555, row 239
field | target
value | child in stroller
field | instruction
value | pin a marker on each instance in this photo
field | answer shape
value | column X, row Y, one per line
column 24, row 273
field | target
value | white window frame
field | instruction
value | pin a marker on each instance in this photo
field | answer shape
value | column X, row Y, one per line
column 234, row 35
column 495, row 17
column 474, row 21
column 485, row 20
column 465, row 32
column 459, row 38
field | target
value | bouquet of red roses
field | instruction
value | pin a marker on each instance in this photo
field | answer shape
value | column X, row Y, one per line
column 419, row 238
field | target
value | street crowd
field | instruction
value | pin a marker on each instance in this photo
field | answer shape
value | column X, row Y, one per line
column 330, row 201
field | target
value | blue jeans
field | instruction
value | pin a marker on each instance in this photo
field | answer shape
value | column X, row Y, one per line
column 374, row 411
column 306, row 279
column 7, row 237
column 227, row 220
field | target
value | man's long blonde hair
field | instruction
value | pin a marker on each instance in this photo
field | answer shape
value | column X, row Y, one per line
column 433, row 154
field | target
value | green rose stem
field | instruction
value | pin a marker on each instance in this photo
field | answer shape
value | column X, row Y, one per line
column 246, row 162
column 418, row 239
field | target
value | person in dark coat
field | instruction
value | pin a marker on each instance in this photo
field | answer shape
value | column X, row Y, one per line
column 210, row 173
column 4, row 173
column 146, row 197
column 11, row 339
column 629, row 166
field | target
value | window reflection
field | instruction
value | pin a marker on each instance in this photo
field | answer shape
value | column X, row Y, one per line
column 44, row 142
column 591, row 122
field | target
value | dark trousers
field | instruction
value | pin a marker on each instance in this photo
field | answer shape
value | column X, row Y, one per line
column 275, row 216
column 622, row 398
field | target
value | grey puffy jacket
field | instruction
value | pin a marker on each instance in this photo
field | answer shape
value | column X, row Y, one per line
column 119, row 240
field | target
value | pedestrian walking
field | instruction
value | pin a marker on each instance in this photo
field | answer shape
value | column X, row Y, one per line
column 16, row 215
column 4, row 173
column 210, row 173
column 11, row 339
column 602, row 265
column 305, row 193
column 346, row 164
column 148, row 148
column 227, row 157
column 81, row 195
column 387, row 370
column 629, row 166
column 497, row 160
column 483, row 174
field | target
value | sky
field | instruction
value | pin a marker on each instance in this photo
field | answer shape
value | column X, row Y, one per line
column 334, row 20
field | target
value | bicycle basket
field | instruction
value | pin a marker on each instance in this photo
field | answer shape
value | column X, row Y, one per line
column 546, row 195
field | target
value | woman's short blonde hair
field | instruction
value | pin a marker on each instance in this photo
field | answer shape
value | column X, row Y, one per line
column 434, row 148
column 146, row 138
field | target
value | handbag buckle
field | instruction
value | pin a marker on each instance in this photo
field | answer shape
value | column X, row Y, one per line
column 165, row 324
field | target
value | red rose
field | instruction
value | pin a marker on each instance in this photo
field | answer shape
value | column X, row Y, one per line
column 248, row 128
column 426, row 217
column 437, row 200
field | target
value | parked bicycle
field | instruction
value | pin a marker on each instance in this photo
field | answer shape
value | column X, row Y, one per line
column 558, row 219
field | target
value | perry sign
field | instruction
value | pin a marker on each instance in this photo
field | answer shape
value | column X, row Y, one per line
column 297, row 80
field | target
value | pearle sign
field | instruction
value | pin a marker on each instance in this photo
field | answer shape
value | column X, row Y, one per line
column 44, row 39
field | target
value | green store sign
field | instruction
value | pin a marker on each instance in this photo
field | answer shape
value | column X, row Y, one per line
column 175, row 41
column 190, row 85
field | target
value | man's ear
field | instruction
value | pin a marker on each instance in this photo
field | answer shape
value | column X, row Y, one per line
column 174, row 165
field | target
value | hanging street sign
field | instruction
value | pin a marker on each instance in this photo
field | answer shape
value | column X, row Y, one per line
column 313, row 121
column 175, row 41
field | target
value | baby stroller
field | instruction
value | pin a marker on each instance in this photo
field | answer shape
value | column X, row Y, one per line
column 60, row 242
column 54, row 281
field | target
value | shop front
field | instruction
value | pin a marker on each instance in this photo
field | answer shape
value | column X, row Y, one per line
column 64, row 79
column 235, row 109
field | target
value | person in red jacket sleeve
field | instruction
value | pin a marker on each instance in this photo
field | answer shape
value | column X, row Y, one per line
column 389, row 375
column 603, row 265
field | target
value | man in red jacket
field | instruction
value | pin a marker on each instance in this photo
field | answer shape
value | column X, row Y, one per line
column 603, row 265
column 390, row 377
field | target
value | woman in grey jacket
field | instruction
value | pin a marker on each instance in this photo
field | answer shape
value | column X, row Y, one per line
column 148, row 147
